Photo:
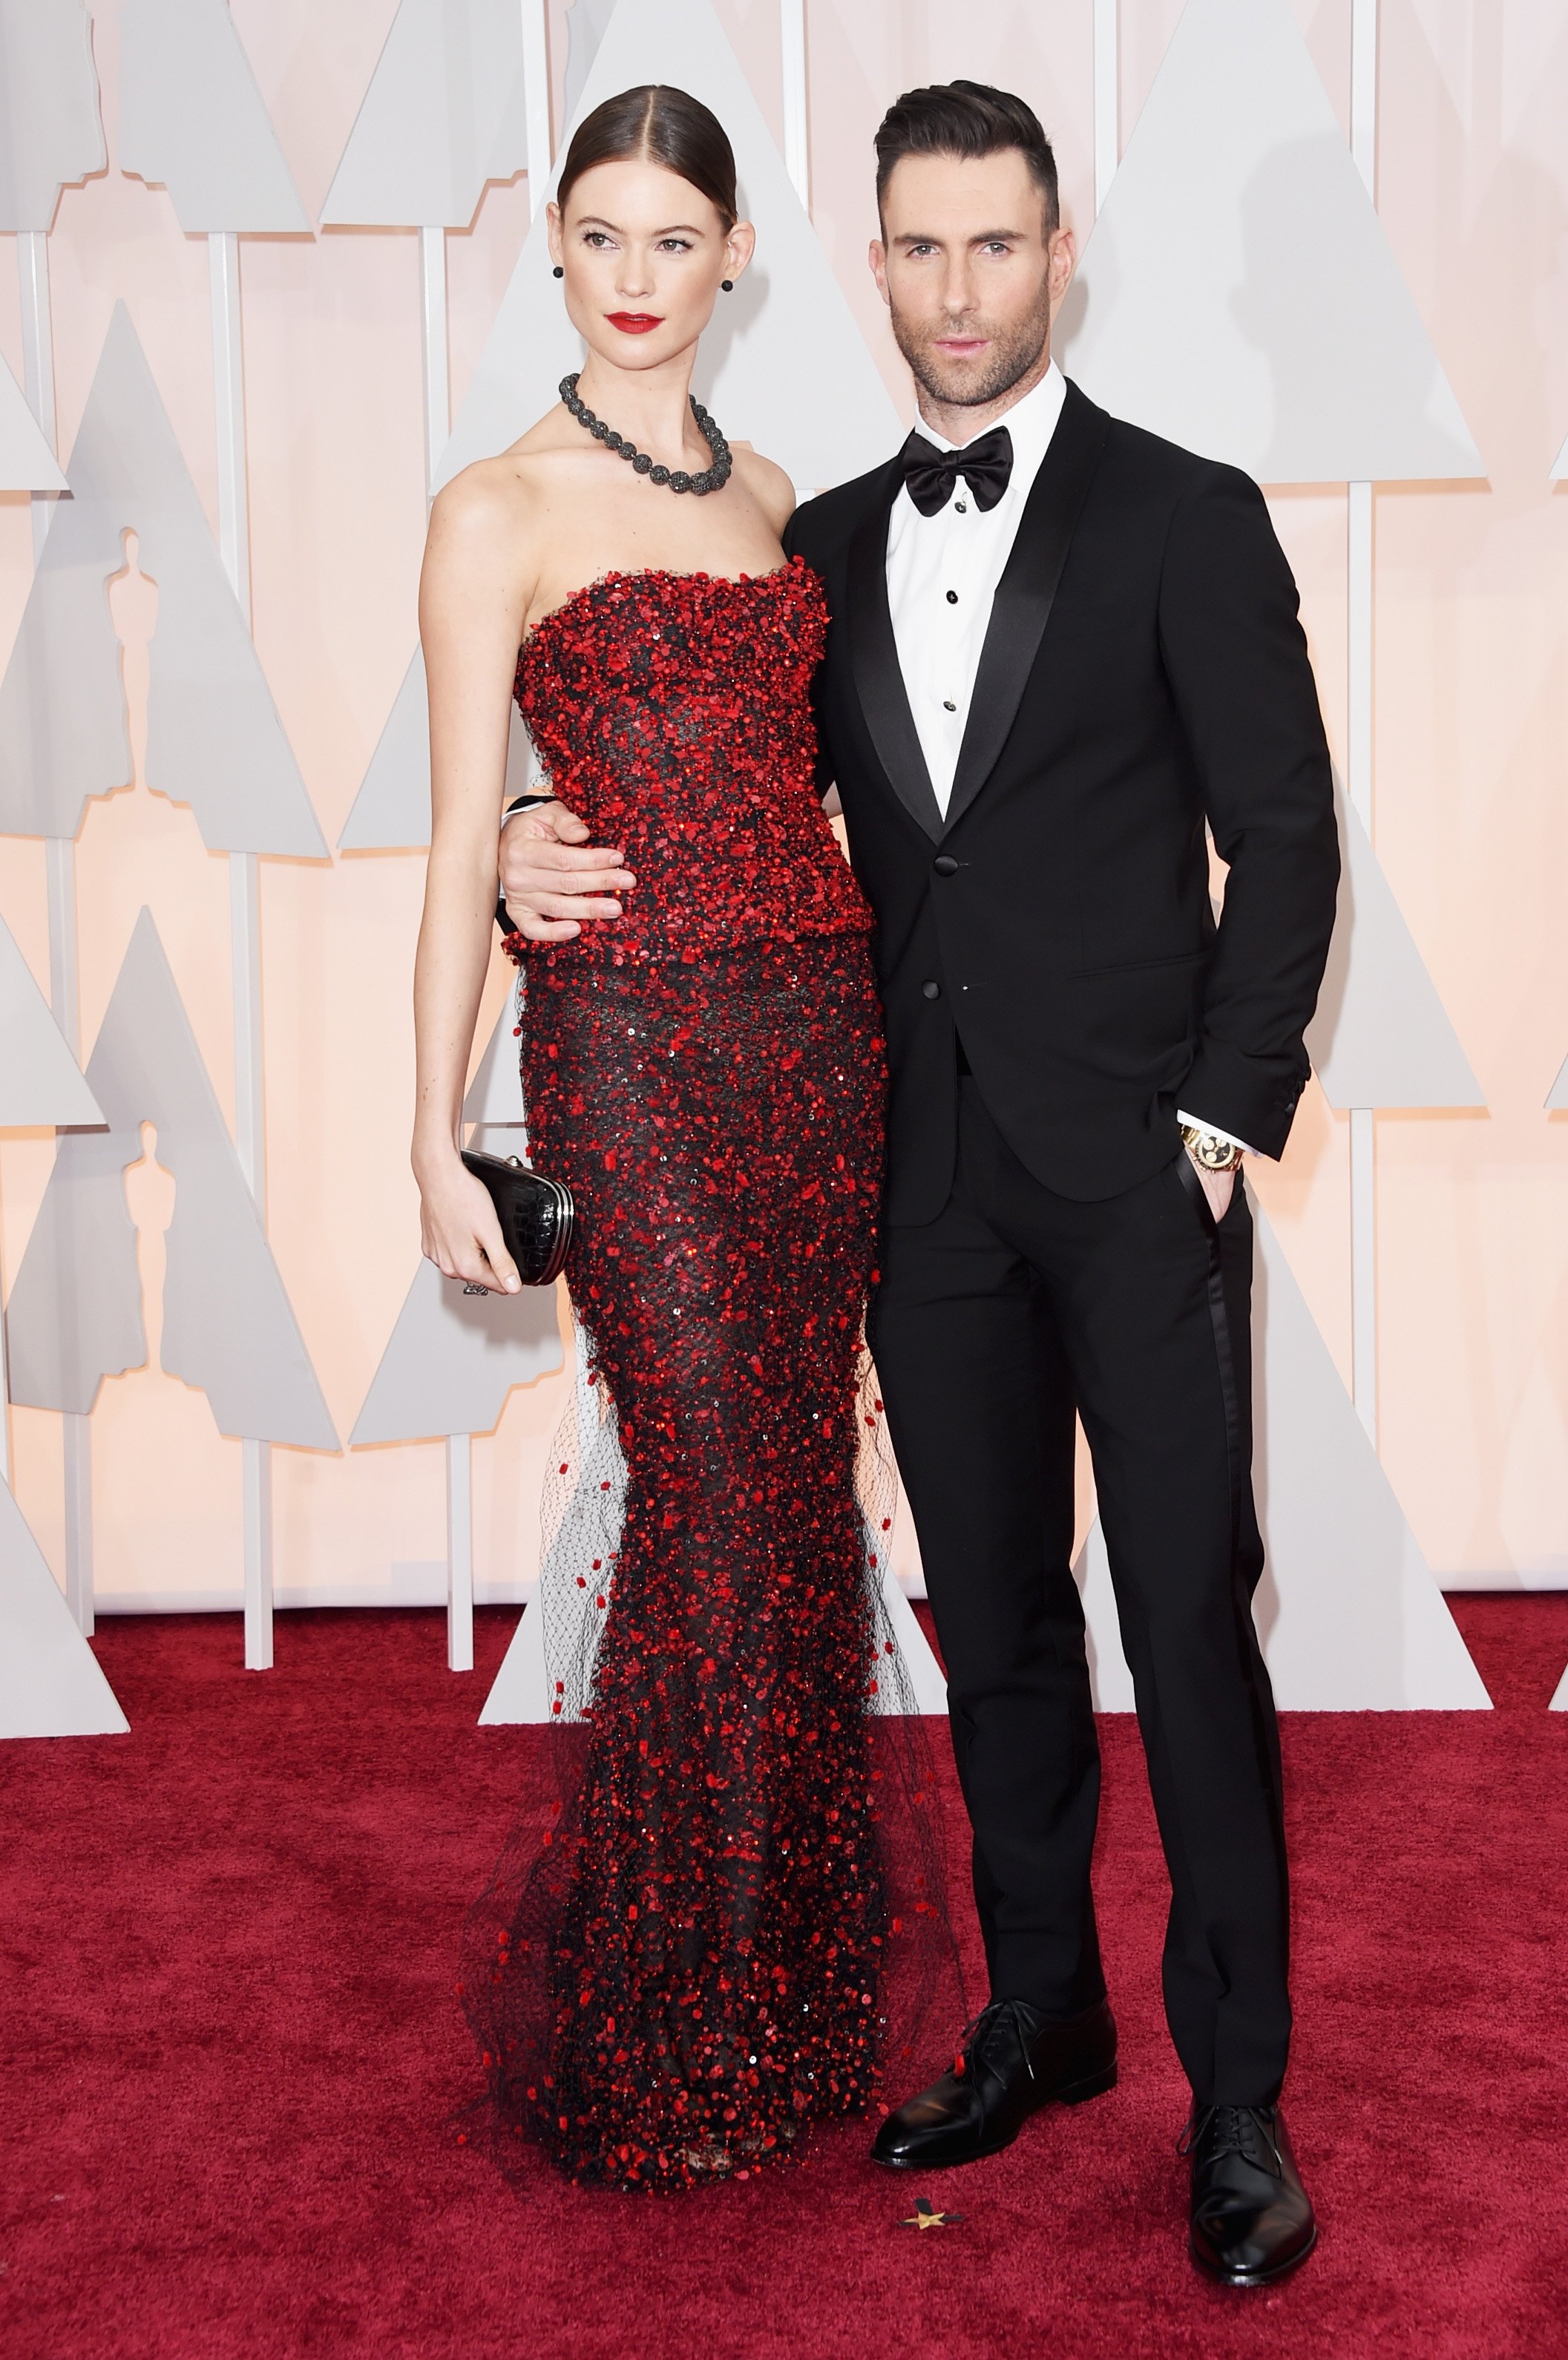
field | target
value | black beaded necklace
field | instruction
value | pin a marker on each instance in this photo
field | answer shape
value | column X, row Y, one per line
column 712, row 479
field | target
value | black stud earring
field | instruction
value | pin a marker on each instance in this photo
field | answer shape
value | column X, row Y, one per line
column 728, row 286
column 560, row 273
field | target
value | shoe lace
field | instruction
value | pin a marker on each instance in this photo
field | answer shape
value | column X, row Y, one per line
column 1246, row 2131
column 976, row 2033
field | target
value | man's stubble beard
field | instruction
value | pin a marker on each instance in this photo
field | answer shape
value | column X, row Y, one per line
column 1013, row 354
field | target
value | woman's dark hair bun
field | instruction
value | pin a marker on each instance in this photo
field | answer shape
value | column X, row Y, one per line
column 661, row 125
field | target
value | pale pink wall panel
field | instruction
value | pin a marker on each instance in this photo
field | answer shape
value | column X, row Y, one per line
column 479, row 262
column 1470, row 803
column 1472, row 725
column 312, row 61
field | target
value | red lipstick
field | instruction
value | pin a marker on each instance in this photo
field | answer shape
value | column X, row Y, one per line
column 635, row 323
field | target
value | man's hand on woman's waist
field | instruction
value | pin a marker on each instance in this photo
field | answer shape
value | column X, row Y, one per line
column 552, row 877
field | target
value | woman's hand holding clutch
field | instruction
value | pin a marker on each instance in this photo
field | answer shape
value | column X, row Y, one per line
column 458, row 1228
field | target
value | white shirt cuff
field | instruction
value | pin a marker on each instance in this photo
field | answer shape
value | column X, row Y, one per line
column 1228, row 1136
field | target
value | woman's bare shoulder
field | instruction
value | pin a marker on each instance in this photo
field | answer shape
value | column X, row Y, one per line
column 766, row 482
column 525, row 477
column 482, row 497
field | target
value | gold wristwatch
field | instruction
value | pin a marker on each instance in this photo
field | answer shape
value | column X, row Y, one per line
column 1207, row 1148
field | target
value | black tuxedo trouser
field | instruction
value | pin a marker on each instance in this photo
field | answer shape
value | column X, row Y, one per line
column 991, row 1326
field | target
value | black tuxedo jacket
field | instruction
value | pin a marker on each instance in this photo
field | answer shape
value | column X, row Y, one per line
column 1144, row 670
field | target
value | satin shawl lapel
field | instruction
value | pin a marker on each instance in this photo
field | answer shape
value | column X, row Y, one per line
column 1027, row 591
column 873, row 662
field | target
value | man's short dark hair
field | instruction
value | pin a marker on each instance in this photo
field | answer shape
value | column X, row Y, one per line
column 968, row 119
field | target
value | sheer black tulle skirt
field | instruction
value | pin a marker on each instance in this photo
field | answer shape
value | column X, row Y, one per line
column 695, row 1949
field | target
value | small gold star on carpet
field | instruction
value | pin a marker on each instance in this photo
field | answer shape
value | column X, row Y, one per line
column 923, row 2216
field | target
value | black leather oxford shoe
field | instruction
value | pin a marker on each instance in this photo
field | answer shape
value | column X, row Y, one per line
column 1252, row 2219
column 1013, row 2061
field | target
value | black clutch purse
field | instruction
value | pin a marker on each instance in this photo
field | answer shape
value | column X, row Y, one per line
column 537, row 1216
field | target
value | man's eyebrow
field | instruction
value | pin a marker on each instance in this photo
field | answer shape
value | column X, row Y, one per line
column 981, row 237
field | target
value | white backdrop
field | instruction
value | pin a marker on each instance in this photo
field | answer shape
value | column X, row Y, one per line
column 1219, row 340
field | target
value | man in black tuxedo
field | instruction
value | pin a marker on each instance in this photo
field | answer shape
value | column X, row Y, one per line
column 1059, row 647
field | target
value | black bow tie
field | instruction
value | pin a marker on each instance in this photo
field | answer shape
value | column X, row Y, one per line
column 930, row 474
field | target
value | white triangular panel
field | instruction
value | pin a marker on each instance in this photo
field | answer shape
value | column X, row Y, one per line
column 519, row 1693
column 51, row 1684
column 49, row 128
column 75, row 1312
column 587, row 22
column 1110, row 1682
column 391, row 812
column 75, row 1309
column 785, row 335
column 1238, row 294
column 496, row 1093
column 1350, row 1617
column 1560, row 1696
column 453, row 1359
column 27, row 462
column 193, row 121
column 1381, row 1036
column 40, row 1081
column 214, row 739
column 1557, row 1097
column 445, row 113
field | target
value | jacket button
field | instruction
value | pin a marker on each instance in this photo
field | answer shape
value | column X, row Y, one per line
column 931, row 990
column 945, row 864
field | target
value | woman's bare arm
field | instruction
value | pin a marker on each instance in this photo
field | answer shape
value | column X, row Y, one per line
column 473, row 595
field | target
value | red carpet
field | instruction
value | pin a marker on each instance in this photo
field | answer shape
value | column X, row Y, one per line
column 230, row 2043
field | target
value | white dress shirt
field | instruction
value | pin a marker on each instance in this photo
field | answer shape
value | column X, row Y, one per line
column 942, row 573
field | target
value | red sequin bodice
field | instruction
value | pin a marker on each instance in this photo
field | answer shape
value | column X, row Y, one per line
column 673, row 714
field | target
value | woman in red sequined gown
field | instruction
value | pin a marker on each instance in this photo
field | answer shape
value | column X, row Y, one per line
column 690, row 1966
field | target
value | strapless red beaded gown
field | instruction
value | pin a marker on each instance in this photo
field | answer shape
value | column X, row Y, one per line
column 688, row 1965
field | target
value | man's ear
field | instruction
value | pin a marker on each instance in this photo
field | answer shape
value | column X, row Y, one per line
column 1063, row 263
column 877, row 254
